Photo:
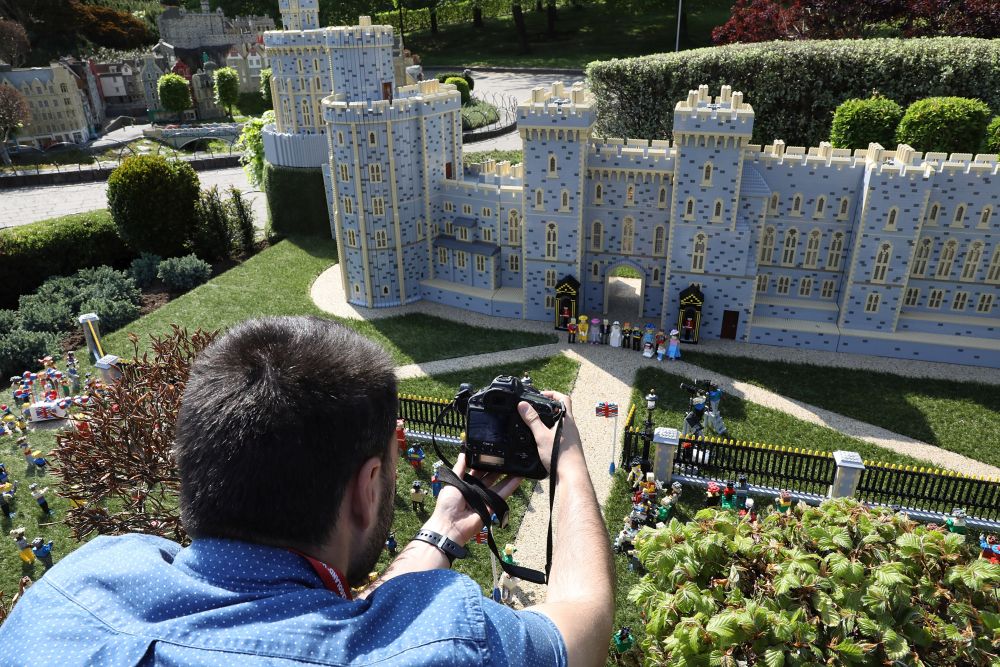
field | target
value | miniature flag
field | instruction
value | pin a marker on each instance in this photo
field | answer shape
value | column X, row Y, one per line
column 604, row 409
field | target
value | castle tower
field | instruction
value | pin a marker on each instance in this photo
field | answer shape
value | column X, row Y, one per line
column 555, row 126
column 360, row 61
column 299, row 14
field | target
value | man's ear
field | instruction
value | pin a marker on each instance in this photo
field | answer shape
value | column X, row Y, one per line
column 364, row 493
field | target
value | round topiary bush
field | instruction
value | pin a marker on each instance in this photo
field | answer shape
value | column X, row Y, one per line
column 181, row 274
column 153, row 203
column 143, row 269
column 858, row 122
column 944, row 124
column 444, row 76
column 463, row 87
column 993, row 136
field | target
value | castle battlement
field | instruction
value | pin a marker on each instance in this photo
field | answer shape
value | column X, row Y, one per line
column 570, row 107
column 436, row 98
column 277, row 40
column 630, row 154
column 703, row 115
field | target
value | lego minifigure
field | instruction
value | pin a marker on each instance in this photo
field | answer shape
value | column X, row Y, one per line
column 583, row 329
column 729, row 501
column 415, row 456
column 615, row 337
column 634, row 477
column 636, row 338
column 649, row 486
column 627, row 336
column 401, row 435
column 71, row 360
column 688, row 327
column 713, row 491
column 7, row 490
column 956, row 522
column 605, row 332
column 39, row 496
column 674, row 347
column 42, row 551
column 417, row 496
column 648, row 338
column 742, row 490
column 509, row 588
column 508, row 554
column 436, row 482
column 39, row 461
column 623, row 639
column 23, row 548
column 692, row 420
column 595, row 331
column 571, row 328
column 668, row 502
column 624, row 542
column 785, row 502
column 74, row 379
column 564, row 317
column 661, row 345
column 29, row 457
column 990, row 544
column 747, row 511
column 391, row 544
column 3, row 473
column 714, row 414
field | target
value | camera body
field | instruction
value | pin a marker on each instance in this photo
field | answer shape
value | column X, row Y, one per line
column 699, row 388
column 497, row 439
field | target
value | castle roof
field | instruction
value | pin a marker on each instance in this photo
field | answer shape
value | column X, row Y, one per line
column 475, row 247
column 463, row 221
column 752, row 183
column 18, row 77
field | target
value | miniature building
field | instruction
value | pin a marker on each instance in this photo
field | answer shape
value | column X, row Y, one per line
column 59, row 104
column 203, row 93
column 881, row 252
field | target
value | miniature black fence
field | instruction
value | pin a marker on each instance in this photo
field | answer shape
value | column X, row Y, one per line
column 929, row 490
column 421, row 413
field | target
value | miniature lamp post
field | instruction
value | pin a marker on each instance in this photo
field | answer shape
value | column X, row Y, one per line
column 607, row 409
column 648, row 434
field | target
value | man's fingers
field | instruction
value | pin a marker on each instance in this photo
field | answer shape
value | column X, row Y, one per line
column 531, row 418
column 505, row 487
column 459, row 467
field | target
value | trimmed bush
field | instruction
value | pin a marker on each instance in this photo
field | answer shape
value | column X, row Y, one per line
column 143, row 269
column 31, row 253
column 463, row 88
column 242, row 218
column 793, row 86
column 296, row 202
column 57, row 303
column 20, row 350
column 945, row 124
column 993, row 136
column 181, row 274
column 443, row 78
column 857, row 123
column 153, row 203
column 213, row 237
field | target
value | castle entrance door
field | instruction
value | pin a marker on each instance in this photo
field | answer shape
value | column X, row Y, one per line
column 624, row 289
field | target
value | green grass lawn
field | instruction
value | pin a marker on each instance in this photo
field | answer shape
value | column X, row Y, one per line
column 962, row 417
column 472, row 157
column 597, row 31
column 478, row 113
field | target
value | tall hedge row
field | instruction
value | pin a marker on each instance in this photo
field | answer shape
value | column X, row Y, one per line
column 296, row 201
column 793, row 87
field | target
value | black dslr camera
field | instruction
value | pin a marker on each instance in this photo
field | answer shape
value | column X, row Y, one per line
column 497, row 439
column 699, row 388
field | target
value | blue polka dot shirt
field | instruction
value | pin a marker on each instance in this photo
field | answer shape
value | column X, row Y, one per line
column 144, row 600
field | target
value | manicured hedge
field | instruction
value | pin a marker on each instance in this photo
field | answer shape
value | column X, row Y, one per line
column 945, row 124
column 31, row 253
column 296, row 201
column 793, row 87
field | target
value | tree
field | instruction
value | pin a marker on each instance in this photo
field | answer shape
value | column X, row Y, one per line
column 759, row 21
column 265, row 87
column 112, row 28
column 14, row 44
column 550, row 18
column 14, row 114
column 251, row 143
column 227, row 88
column 519, row 24
column 174, row 92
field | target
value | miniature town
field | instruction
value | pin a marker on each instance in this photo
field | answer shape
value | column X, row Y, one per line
column 762, row 343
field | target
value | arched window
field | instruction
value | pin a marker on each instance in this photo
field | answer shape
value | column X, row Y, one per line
column 890, row 220
column 959, row 220
column 820, row 207
column 933, row 213
column 706, row 174
column 836, row 250
column 717, row 211
column 784, row 282
column 595, row 269
column 920, row 258
column 514, row 262
column 772, row 206
column 660, row 240
column 845, row 204
column 767, row 246
column 791, row 246
column 762, row 280
column 378, row 207
column 371, row 138
column 598, row 193
column 348, row 205
column 375, row 173
column 689, row 208
column 340, row 138
column 993, row 272
column 552, row 165
column 698, row 253
column 564, row 200
column 381, row 239
column 972, row 258
column 797, row 205
column 812, row 249
column 352, row 238
column 630, row 194
column 538, row 198
column 656, row 276
column 596, row 236
column 662, row 200
column 805, row 286
column 551, row 241
column 628, row 235
column 946, row 259
column 935, row 298
column 984, row 217
column 871, row 303
column 443, row 256
column 514, row 227
column 882, row 263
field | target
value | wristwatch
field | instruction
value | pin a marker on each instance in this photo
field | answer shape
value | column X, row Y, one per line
column 450, row 548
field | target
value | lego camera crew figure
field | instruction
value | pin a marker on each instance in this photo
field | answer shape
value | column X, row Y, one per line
column 704, row 403
column 956, row 522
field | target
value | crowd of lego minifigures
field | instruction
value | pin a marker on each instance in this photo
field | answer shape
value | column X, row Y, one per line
column 646, row 339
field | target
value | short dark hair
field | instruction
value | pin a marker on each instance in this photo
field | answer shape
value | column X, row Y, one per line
column 276, row 417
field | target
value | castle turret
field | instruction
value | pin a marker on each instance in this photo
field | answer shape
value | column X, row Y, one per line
column 299, row 14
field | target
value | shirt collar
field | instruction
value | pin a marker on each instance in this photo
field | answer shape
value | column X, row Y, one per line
column 245, row 565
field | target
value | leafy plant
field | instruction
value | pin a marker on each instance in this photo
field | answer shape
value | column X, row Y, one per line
column 946, row 124
column 858, row 122
column 213, row 236
column 143, row 269
column 993, row 136
column 251, row 143
column 174, row 93
column 265, row 87
column 838, row 584
column 20, row 349
column 242, row 219
column 463, row 88
column 181, row 274
column 57, row 303
column 227, row 88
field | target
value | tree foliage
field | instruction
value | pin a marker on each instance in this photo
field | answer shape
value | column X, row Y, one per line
column 114, row 29
column 265, row 87
column 993, row 136
column 839, row 584
column 858, row 122
column 227, row 88
column 251, row 143
column 174, row 92
column 945, row 124
column 14, row 44
column 14, row 114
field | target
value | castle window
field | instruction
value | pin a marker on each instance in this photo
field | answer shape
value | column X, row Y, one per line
column 820, row 207
column 630, row 195
column 791, row 246
column 514, row 227
column 706, row 175
column 378, row 206
column 371, row 138
column 656, row 276
column 357, row 289
column 689, row 209
column 985, row 303
column 553, row 171
column 762, row 281
column 872, row 302
column 805, row 287
column 461, row 259
column 487, row 213
column 812, row 249
column 595, row 269
column 352, row 238
column 784, row 282
column 767, row 246
column 375, row 173
column 663, row 198
column 772, row 206
column 993, row 273
column 466, row 209
column 912, row 297
column 463, row 233
column 420, row 229
column 449, row 228
column 946, row 260
column 596, row 236
column 984, row 218
column 932, row 215
column 920, row 259
column 487, row 234
column 550, row 278
column 826, row 290
column 836, row 250
column 564, row 200
column 959, row 301
column 550, row 302
column 598, row 193
column 890, row 221
column 348, row 205
column 385, row 290
column 628, row 235
column 698, row 253
column 480, row 264
column 797, row 205
column 935, row 299
column 717, row 211
column 538, row 198
column 381, row 239
column 882, row 263
column 959, row 219
column 449, row 207
column 62, row 87
column 514, row 262
column 551, row 241
column 972, row 258
column 345, row 174
column 659, row 240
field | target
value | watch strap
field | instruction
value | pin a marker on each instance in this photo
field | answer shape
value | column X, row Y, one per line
column 450, row 548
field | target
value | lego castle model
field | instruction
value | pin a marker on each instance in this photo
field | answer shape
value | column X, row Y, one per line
column 885, row 252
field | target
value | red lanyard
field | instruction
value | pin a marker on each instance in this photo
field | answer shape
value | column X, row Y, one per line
column 331, row 578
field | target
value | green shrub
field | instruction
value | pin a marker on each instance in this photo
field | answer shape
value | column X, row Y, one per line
column 857, row 123
column 296, row 201
column 181, row 274
column 57, row 303
column 793, row 86
column 143, row 269
column 463, row 88
column 265, row 89
column 443, row 78
column 838, row 584
column 251, row 146
column 153, row 203
column 31, row 253
column 945, row 124
column 174, row 92
column 213, row 237
column 39, row 312
column 9, row 319
column 20, row 350
column 993, row 136
column 242, row 217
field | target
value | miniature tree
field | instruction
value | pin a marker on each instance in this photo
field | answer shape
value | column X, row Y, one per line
column 14, row 114
column 227, row 88
column 251, row 143
column 857, row 122
column 14, row 44
column 118, row 462
column 945, row 124
column 993, row 136
column 174, row 92
column 265, row 87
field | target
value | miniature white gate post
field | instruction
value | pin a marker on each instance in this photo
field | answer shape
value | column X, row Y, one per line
column 666, row 441
column 849, row 469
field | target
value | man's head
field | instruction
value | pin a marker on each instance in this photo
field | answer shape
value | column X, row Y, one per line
column 279, row 420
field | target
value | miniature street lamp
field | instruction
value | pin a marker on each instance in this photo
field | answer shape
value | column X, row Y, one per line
column 648, row 435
